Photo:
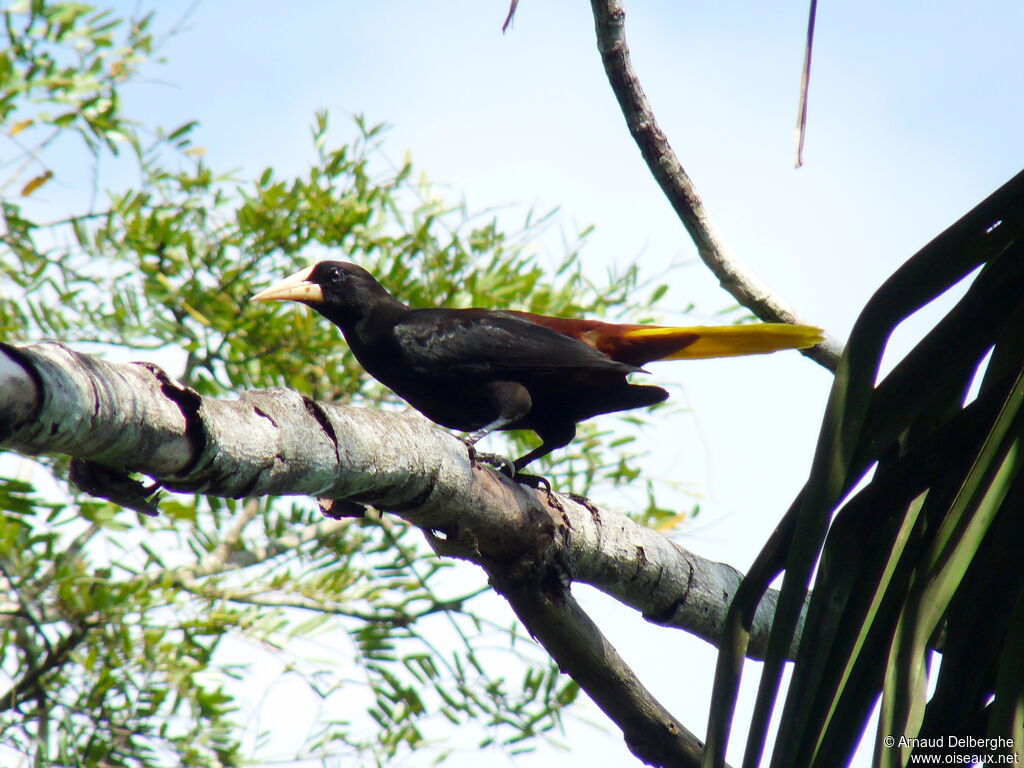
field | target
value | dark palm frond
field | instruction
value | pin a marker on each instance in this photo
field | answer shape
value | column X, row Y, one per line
column 923, row 557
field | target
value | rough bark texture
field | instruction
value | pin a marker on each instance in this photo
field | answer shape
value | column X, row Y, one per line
column 533, row 544
column 134, row 418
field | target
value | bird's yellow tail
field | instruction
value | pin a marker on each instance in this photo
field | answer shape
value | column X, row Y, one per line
column 725, row 340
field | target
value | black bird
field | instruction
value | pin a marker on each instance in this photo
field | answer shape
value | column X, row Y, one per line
column 481, row 370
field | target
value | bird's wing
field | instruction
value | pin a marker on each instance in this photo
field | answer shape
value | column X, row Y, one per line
column 474, row 341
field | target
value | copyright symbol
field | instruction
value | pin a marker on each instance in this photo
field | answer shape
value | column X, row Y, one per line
column 889, row 741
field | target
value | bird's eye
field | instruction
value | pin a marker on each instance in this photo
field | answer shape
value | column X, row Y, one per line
column 335, row 274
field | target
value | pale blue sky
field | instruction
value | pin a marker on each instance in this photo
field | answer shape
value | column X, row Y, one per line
column 915, row 115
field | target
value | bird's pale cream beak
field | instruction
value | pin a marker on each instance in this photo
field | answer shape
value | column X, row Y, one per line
column 295, row 287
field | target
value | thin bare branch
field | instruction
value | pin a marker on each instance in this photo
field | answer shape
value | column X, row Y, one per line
column 511, row 15
column 805, row 84
column 735, row 277
column 278, row 599
column 218, row 558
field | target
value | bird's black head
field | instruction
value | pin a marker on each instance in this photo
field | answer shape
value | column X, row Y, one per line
column 340, row 291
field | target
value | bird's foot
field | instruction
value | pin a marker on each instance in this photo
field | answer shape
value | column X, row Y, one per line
column 534, row 481
column 501, row 463
column 507, row 467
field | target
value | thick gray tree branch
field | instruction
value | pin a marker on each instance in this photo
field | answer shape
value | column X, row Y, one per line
column 735, row 277
column 133, row 418
column 275, row 442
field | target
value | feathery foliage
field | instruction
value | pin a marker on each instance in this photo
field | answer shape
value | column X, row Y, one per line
column 119, row 638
